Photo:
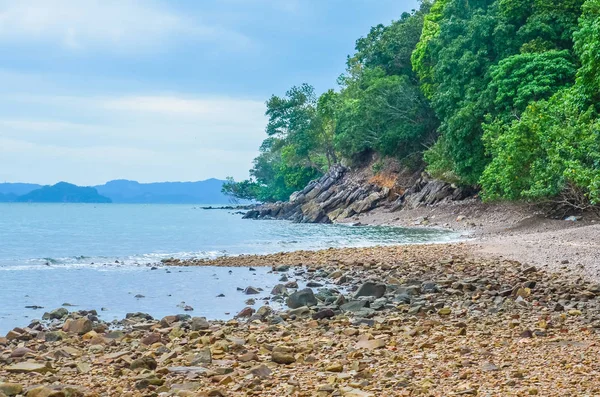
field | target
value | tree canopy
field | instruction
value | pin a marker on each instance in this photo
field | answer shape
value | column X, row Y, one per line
column 502, row 95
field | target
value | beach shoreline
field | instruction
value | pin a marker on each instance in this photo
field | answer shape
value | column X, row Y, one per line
column 439, row 319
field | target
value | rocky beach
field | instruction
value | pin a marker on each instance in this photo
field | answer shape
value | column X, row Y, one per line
column 430, row 320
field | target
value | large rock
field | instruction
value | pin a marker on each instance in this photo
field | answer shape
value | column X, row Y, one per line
column 57, row 314
column 80, row 326
column 11, row 389
column 28, row 367
column 371, row 289
column 304, row 297
column 199, row 323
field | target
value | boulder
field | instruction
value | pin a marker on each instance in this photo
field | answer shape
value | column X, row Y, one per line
column 57, row 314
column 304, row 297
column 371, row 289
column 199, row 323
column 80, row 326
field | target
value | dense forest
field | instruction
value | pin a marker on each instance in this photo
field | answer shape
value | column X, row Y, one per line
column 502, row 95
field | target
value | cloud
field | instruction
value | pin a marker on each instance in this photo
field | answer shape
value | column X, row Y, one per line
column 130, row 25
column 145, row 137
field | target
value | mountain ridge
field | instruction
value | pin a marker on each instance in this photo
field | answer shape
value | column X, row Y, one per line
column 133, row 192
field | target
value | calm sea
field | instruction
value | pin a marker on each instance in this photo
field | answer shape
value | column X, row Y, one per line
column 97, row 256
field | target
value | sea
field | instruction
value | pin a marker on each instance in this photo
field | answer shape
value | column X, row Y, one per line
column 104, row 257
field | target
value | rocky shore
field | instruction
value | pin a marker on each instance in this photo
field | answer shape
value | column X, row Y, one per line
column 386, row 321
column 343, row 194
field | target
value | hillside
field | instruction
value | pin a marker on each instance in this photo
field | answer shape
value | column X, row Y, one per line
column 501, row 96
column 63, row 192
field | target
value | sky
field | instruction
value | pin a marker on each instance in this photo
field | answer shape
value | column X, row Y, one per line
column 159, row 90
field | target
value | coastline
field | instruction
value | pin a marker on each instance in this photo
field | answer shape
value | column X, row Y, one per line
column 437, row 319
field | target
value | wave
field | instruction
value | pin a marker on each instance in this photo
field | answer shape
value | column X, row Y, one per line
column 104, row 262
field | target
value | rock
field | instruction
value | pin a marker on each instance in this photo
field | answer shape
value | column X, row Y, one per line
column 370, row 344
column 57, row 314
column 199, row 323
column 371, row 289
column 83, row 368
column 301, row 298
column 55, row 336
column 11, row 389
column 354, row 306
column 335, row 367
column 28, row 367
column 139, row 316
column 325, row 313
column 20, row 352
column 151, row 339
column 444, row 311
column 80, row 326
column 488, row 367
column 246, row 312
column 251, row 291
column 42, row 391
column 247, row 357
column 204, row 356
column 279, row 289
column 260, row 371
column 143, row 363
column 216, row 393
column 282, row 357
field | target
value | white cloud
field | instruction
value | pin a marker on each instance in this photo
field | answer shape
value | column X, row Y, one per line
column 219, row 107
column 143, row 137
column 115, row 24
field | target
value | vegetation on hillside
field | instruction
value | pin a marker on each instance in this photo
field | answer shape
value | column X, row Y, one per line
column 502, row 95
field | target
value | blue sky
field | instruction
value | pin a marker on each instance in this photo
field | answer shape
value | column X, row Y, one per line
column 153, row 90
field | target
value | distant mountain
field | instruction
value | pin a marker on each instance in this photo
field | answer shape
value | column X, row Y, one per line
column 17, row 189
column 63, row 192
column 202, row 192
column 118, row 191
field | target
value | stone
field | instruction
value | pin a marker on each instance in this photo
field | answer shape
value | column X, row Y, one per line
column 325, row 313
column 143, row 363
column 20, row 352
column 354, row 305
column 246, row 357
column 199, row 323
column 151, row 339
column 260, row 371
column 203, row 356
column 445, row 311
column 246, row 312
column 280, row 357
column 41, row 391
column 371, row 289
column 55, row 336
column 279, row 289
column 335, row 367
column 28, row 367
column 83, row 368
column 304, row 297
column 251, row 291
column 80, row 326
column 489, row 367
column 11, row 389
column 57, row 314
column 370, row 344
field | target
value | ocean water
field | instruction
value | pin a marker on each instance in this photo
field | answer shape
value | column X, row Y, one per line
column 99, row 256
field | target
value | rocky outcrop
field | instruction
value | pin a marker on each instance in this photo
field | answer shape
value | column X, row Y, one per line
column 334, row 196
column 427, row 192
column 342, row 194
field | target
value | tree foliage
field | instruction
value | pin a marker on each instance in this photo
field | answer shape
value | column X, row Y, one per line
column 499, row 94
